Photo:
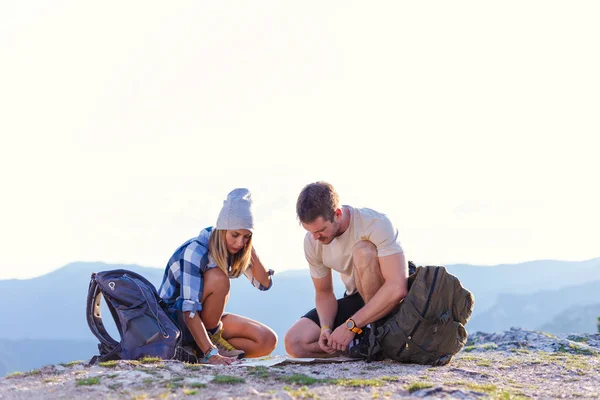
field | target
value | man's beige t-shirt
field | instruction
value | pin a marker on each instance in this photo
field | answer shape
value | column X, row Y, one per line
column 365, row 224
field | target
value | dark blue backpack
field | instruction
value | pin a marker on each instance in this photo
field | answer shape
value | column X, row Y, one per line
column 140, row 315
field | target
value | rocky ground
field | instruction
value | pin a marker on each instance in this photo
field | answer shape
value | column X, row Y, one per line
column 513, row 364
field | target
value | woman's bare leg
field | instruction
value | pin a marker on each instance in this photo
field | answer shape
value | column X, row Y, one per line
column 243, row 333
column 214, row 297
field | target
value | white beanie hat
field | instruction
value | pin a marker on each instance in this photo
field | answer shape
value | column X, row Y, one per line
column 237, row 211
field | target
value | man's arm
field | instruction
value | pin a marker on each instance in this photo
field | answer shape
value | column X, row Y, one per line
column 325, row 300
column 326, row 304
column 394, row 270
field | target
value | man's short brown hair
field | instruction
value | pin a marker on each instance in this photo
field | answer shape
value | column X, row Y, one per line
column 318, row 199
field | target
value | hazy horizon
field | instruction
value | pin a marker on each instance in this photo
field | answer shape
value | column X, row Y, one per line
column 471, row 125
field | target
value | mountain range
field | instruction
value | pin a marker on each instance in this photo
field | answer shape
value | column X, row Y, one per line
column 46, row 322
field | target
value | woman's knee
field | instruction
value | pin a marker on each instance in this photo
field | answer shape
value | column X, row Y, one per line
column 216, row 280
column 269, row 340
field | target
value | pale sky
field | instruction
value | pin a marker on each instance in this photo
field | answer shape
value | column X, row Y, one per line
column 123, row 125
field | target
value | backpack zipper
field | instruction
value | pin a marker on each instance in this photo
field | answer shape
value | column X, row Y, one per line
column 431, row 289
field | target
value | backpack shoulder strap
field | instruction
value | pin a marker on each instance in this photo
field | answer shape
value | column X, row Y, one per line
column 94, row 318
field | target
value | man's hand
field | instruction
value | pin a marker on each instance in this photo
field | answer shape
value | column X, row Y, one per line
column 341, row 338
column 324, row 339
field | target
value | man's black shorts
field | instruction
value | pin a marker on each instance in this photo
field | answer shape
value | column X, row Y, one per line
column 347, row 306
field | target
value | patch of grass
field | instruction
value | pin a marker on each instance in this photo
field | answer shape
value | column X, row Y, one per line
column 470, row 358
column 581, row 350
column 573, row 362
column 546, row 334
column 484, row 363
column 115, row 386
column 372, row 367
column 190, row 392
column 491, row 390
column 193, row 367
column 88, row 381
column 299, row 379
column 148, row 381
column 151, row 360
column 413, row 387
column 579, row 339
column 228, row 379
column 357, row 382
column 390, row 378
column 15, row 374
column 197, row 385
column 141, row 396
column 510, row 361
column 173, row 385
column 301, row 393
column 485, row 347
column 49, row 380
column 454, row 383
column 111, row 376
column 70, row 364
column 259, row 372
column 520, row 350
column 509, row 395
column 485, row 388
column 108, row 364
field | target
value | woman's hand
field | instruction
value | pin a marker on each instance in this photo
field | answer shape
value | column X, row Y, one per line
column 218, row 359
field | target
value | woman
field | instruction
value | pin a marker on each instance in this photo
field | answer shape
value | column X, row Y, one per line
column 196, row 286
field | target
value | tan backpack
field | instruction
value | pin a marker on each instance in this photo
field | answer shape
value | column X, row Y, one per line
column 428, row 325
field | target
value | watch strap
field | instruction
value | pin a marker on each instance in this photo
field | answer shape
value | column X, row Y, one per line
column 213, row 352
column 354, row 328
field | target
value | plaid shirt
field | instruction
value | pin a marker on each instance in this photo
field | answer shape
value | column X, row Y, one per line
column 182, row 284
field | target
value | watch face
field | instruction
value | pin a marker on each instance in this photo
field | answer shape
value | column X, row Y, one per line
column 349, row 324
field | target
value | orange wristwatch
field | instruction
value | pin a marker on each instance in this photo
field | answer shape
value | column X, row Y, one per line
column 351, row 325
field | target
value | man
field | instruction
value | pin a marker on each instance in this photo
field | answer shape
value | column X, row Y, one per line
column 359, row 243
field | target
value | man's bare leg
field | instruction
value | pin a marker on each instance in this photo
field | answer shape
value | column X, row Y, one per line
column 367, row 271
column 302, row 340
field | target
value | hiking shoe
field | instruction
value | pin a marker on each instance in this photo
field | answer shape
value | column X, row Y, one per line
column 225, row 348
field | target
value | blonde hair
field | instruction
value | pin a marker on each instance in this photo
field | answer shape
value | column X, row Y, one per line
column 217, row 246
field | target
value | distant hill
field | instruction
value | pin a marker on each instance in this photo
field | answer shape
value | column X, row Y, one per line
column 486, row 283
column 539, row 309
column 27, row 354
column 574, row 319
